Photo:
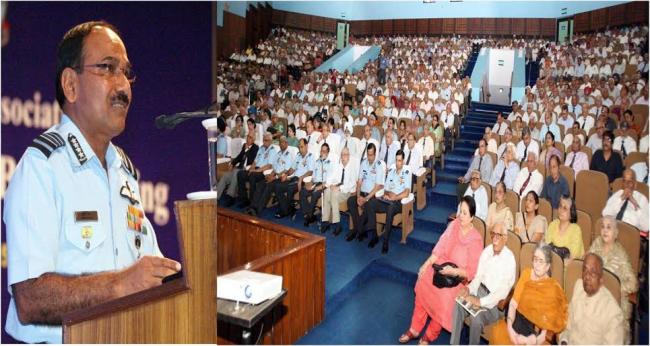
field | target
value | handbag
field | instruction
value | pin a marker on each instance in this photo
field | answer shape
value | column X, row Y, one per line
column 445, row 281
column 561, row 251
column 523, row 326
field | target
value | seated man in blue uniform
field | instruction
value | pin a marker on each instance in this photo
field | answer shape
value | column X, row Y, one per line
column 372, row 174
column 264, row 188
column 309, row 196
column 397, row 187
column 76, row 230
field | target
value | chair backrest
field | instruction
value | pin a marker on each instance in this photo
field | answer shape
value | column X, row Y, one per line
column 617, row 184
column 236, row 144
column 592, row 191
column 640, row 114
column 635, row 157
column 357, row 131
column 568, row 174
column 630, row 239
column 526, row 261
column 541, row 167
column 573, row 272
column 512, row 201
column 514, row 244
column 585, row 223
column 560, row 146
column 545, row 209
column 480, row 227
column 494, row 158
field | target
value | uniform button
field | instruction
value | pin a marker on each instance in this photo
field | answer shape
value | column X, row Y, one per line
column 115, row 251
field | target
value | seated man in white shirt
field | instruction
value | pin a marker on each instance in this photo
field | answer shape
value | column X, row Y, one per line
column 577, row 159
column 565, row 119
column 506, row 169
column 447, row 119
column 500, row 127
column 595, row 317
column 478, row 192
column 507, row 138
column 529, row 178
column 332, row 139
column 426, row 143
column 627, row 204
column 413, row 160
column 595, row 141
column 526, row 145
column 341, row 183
column 494, row 278
column 388, row 148
column 549, row 126
column 623, row 142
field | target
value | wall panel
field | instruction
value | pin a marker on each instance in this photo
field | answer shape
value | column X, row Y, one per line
column 448, row 25
column 376, row 27
column 422, row 26
column 411, row 26
column 474, row 26
column 548, row 27
column 636, row 12
column 387, row 27
column 581, row 22
column 518, row 26
column 489, row 26
column 617, row 15
column 461, row 26
column 599, row 19
column 532, row 26
column 503, row 26
column 435, row 26
column 399, row 26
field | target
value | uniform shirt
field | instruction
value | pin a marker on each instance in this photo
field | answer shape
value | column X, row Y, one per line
column 535, row 183
column 397, row 182
column 624, row 141
column 265, row 156
column 321, row 170
column 284, row 161
column 511, row 174
column 497, row 273
column 222, row 145
column 523, row 150
column 303, row 164
column 44, row 235
column 480, row 198
column 371, row 174
column 637, row 217
column 334, row 142
column 349, row 184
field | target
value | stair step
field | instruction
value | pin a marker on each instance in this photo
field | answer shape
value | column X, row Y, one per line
column 445, row 188
column 436, row 213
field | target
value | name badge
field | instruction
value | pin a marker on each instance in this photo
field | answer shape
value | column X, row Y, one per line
column 80, row 216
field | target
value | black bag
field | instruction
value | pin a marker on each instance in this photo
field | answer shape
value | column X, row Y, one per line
column 522, row 325
column 445, row 281
column 561, row 251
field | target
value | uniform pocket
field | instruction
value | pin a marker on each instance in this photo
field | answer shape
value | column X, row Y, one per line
column 85, row 236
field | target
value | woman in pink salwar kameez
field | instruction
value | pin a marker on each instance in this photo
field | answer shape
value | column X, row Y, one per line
column 460, row 244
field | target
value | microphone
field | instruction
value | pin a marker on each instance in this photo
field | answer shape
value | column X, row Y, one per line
column 169, row 121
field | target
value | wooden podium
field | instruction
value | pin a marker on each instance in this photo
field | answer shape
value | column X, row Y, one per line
column 182, row 310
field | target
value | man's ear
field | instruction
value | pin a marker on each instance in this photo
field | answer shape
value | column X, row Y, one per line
column 70, row 84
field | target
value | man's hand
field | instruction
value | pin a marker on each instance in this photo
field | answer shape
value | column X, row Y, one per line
column 473, row 300
column 464, row 291
column 461, row 180
column 147, row 272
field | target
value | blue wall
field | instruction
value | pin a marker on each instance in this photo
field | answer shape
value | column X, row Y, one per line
column 365, row 10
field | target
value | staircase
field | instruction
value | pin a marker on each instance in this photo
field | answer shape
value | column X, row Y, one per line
column 471, row 61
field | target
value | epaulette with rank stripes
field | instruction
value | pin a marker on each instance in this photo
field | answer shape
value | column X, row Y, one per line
column 48, row 142
column 126, row 162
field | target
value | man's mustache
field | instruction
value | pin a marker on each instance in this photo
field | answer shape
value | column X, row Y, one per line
column 122, row 97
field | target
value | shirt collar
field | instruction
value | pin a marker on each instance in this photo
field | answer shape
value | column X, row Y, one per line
column 79, row 149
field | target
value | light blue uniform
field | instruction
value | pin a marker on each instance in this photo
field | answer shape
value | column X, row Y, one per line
column 302, row 165
column 371, row 174
column 265, row 156
column 57, row 178
column 283, row 161
column 398, row 182
column 222, row 145
column 321, row 169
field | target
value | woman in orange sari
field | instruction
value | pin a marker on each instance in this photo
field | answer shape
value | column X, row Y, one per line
column 461, row 244
column 538, row 305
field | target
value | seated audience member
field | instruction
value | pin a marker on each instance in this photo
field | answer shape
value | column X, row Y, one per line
column 529, row 178
column 427, row 144
column 229, row 180
column 238, row 130
column 564, row 232
column 555, row 185
column 526, row 145
column 565, row 119
column 500, row 127
column 499, row 212
column 439, row 136
column 549, row 126
column 529, row 224
column 577, row 159
column 372, row 175
column 292, row 181
column 573, row 132
column 494, row 278
column 606, row 160
column 333, row 140
column 506, row 169
column 482, row 163
column 507, row 138
column 491, row 142
column 365, row 142
column 517, row 127
column 624, row 142
column 413, row 160
column 628, row 118
column 310, row 193
column 388, row 149
column 594, row 315
column 396, row 187
column 266, row 156
column 549, row 150
column 595, row 141
column 447, row 119
column 616, row 260
column 265, row 187
column 628, row 204
column 341, row 184
column 477, row 191
column 461, row 245
column 538, row 309
column 584, row 120
column 291, row 136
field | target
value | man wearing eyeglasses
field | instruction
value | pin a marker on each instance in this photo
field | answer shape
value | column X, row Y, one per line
column 478, row 192
column 494, row 278
column 482, row 163
column 77, row 234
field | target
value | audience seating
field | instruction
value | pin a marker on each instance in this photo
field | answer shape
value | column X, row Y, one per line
column 568, row 174
column 512, row 201
column 526, row 261
column 403, row 220
column 592, row 191
column 545, row 209
column 480, row 227
column 585, row 223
